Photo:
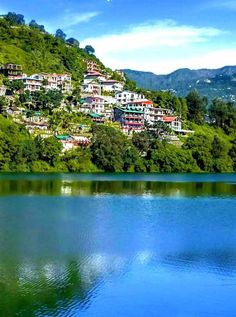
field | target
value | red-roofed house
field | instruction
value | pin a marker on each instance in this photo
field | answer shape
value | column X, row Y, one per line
column 173, row 122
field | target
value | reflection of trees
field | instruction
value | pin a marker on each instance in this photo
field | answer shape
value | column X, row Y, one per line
column 59, row 186
column 25, row 290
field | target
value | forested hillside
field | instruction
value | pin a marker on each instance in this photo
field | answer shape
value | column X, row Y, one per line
column 212, row 83
column 38, row 51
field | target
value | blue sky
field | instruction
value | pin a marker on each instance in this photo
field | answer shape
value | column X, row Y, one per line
column 151, row 35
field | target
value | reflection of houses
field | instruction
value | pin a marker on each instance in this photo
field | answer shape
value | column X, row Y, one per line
column 131, row 118
column 70, row 142
column 11, row 70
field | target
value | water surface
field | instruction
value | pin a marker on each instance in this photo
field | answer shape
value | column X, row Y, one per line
column 106, row 245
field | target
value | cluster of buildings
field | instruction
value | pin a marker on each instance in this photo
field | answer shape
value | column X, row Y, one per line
column 102, row 98
column 36, row 82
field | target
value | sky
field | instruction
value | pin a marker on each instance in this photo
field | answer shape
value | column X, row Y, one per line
column 151, row 35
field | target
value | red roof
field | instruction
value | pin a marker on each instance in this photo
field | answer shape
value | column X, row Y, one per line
column 141, row 102
column 169, row 119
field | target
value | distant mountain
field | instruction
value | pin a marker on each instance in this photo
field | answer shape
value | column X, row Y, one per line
column 208, row 82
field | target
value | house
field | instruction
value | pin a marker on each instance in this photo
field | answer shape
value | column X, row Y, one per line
column 131, row 118
column 111, row 86
column 93, row 76
column 92, row 88
column 152, row 114
column 3, row 90
column 11, row 70
column 31, row 84
column 55, row 81
column 97, row 118
column 124, row 97
column 96, row 103
column 173, row 122
column 92, row 66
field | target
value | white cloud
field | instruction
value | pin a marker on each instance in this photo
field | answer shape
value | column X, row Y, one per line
column 71, row 18
column 159, row 47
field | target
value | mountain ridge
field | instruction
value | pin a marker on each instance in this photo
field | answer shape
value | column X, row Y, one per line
column 219, row 82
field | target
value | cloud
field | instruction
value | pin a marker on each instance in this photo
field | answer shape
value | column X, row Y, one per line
column 159, row 46
column 71, row 18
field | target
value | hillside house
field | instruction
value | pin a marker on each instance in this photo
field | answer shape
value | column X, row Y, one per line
column 111, row 86
column 131, row 118
column 11, row 70
column 124, row 97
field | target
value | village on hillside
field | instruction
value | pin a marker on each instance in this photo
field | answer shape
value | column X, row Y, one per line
column 102, row 99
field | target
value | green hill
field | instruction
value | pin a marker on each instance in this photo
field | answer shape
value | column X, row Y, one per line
column 39, row 51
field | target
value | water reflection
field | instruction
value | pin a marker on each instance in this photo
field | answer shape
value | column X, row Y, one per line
column 81, row 185
column 94, row 248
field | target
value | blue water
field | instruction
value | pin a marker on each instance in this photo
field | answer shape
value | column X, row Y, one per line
column 110, row 247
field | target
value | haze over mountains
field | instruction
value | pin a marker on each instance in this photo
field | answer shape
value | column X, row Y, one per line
column 208, row 82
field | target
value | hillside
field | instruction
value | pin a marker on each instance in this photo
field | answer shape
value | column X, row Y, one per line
column 39, row 51
column 208, row 82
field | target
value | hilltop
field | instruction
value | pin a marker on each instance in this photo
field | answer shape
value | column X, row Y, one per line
column 212, row 83
column 38, row 51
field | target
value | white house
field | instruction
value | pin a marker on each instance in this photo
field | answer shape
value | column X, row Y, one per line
column 124, row 97
column 111, row 85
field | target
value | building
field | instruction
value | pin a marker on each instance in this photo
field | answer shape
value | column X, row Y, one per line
column 92, row 88
column 3, row 90
column 31, row 84
column 93, row 76
column 173, row 122
column 152, row 114
column 97, row 118
column 11, row 70
column 131, row 118
column 124, row 97
column 111, row 86
column 92, row 66
column 96, row 104
column 55, row 81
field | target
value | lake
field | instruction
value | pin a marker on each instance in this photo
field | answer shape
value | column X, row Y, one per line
column 118, row 245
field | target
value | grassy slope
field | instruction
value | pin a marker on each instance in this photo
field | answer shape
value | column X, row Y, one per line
column 40, row 52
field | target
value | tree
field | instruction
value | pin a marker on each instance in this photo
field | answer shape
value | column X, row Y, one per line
column 14, row 18
column 3, row 105
column 60, row 34
column 17, row 85
column 49, row 150
column 222, row 114
column 89, row 49
column 72, row 41
column 33, row 24
column 158, row 129
column 196, row 107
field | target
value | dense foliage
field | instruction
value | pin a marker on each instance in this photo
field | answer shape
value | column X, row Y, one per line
column 112, row 151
